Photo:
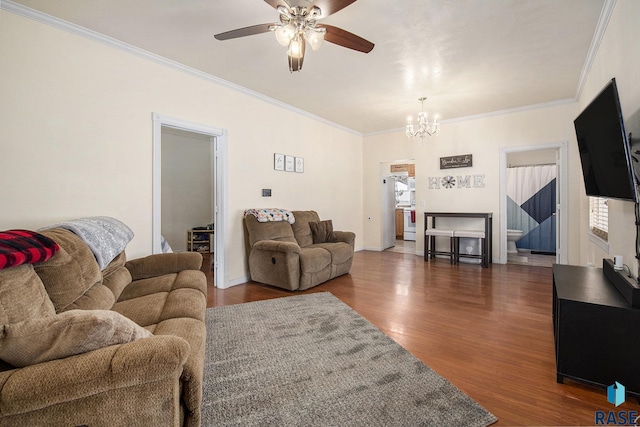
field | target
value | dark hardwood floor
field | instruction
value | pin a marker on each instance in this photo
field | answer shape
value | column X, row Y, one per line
column 488, row 331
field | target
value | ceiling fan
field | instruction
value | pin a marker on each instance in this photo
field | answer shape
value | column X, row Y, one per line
column 298, row 26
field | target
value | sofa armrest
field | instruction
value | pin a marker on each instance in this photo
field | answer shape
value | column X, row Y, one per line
column 345, row 236
column 73, row 378
column 159, row 264
column 277, row 246
column 276, row 263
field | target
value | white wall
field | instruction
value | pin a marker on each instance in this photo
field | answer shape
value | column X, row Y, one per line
column 187, row 185
column 528, row 158
column 482, row 137
column 76, row 139
column 618, row 56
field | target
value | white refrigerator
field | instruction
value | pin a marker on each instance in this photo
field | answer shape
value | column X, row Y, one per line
column 388, row 212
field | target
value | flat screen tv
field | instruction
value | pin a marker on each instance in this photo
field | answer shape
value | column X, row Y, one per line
column 604, row 148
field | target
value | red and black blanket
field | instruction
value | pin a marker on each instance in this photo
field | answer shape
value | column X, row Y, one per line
column 25, row 247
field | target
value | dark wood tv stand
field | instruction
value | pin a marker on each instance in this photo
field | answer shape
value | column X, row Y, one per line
column 596, row 331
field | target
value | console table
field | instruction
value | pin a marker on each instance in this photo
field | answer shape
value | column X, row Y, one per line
column 488, row 227
column 596, row 331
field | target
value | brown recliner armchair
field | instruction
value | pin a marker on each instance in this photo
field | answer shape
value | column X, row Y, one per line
column 285, row 255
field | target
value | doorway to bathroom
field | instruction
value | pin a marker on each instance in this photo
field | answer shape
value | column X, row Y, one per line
column 532, row 199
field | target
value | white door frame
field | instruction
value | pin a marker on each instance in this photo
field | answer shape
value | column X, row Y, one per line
column 220, row 273
column 562, row 199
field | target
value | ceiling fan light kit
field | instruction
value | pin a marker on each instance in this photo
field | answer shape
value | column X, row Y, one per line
column 298, row 26
column 425, row 127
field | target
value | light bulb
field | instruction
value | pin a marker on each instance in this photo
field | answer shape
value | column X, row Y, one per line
column 284, row 34
column 296, row 47
column 315, row 39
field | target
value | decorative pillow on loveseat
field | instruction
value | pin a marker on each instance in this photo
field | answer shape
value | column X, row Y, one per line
column 322, row 232
column 66, row 334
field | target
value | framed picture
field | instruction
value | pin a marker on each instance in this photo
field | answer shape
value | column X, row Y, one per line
column 299, row 164
column 278, row 161
column 288, row 163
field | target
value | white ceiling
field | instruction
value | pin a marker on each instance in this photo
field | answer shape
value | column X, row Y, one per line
column 467, row 56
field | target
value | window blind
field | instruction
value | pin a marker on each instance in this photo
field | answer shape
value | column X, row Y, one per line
column 599, row 217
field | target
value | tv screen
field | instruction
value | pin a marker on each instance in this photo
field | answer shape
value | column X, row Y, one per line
column 604, row 149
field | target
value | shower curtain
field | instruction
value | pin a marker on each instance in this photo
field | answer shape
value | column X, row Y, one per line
column 531, row 206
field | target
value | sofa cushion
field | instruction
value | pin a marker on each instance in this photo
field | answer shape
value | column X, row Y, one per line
column 313, row 259
column 322, row 232
column 340, row 252
column 22, row 295
column 301, row 229
column 278, row 230
column 70, row 272
column 66, row 334
column 116, row 276
column 151, row 301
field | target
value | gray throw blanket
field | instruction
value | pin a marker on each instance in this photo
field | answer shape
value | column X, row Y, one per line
column 105, row 236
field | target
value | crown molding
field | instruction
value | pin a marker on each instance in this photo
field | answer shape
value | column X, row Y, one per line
column 485, row 115
column 601, row 27
column 61, row 24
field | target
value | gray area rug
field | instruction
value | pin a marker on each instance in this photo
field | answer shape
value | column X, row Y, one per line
column 310, row 360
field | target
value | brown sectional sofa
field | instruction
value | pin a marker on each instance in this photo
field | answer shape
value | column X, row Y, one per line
column 285, row 255
column 153, row 373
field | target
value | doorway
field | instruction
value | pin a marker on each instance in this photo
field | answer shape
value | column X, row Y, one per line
column 187, row 179
column 533, row 200
column 217, row 138
column 398, row 206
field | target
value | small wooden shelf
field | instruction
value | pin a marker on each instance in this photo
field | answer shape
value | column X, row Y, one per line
column 200, row 240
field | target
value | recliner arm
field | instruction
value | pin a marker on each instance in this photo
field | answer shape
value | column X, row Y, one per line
column 69, row 380
column 277, row 246
column 345, row 236
column 276, row 263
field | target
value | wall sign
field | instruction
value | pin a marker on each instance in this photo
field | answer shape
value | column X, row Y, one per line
column 448, row 182
column 451, row 162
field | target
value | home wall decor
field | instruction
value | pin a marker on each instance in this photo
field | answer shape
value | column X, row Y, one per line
column 284, row 162
column 448, row 182
column 278, row 161
column 461, row 161
column 288, row 163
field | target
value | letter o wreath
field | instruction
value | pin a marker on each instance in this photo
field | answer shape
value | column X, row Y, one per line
column 448, row 181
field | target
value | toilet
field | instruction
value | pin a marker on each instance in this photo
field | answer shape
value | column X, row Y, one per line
column 512, row 237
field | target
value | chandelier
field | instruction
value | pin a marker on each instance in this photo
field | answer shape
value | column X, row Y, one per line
column 297, row 27
column 424, row 126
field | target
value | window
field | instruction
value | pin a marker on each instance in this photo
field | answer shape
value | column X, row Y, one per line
column 599, row 217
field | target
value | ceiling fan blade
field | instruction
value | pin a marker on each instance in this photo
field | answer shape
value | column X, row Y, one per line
column 328, row 7
column 346, row 39
column 275, row 3
column 242, row 32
